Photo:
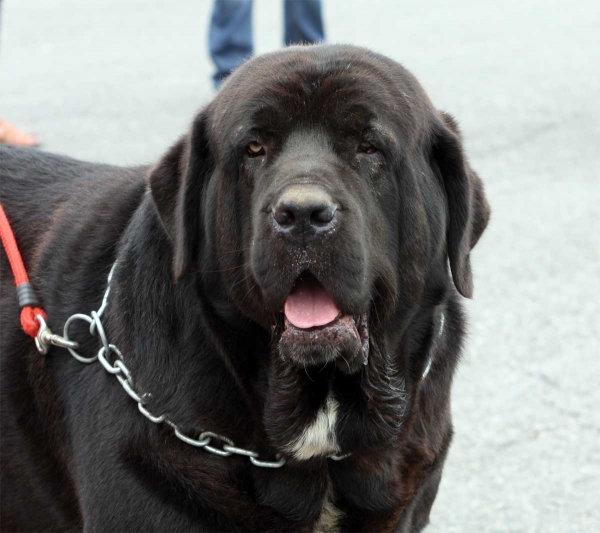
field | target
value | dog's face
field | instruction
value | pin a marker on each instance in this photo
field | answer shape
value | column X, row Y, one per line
column 324, row 195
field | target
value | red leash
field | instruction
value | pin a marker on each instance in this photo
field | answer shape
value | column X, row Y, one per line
column 28, row 303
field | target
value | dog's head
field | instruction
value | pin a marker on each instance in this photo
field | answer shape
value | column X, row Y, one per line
column 322, row 193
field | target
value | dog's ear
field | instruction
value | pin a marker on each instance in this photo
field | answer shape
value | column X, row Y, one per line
column 177, row 183
column 468, row 207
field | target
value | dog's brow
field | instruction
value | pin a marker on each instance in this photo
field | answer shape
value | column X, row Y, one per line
column 383, row 131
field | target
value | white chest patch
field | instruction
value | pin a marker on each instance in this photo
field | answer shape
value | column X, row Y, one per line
column 330, row 516
column 318, row 438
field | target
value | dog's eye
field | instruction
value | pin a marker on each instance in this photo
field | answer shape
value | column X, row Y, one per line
column 255, row 149
column 366, row 148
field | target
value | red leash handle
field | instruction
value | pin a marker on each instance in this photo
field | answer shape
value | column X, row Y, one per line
column 27, row 300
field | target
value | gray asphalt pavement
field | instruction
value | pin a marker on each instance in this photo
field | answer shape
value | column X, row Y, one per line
column 118, row 80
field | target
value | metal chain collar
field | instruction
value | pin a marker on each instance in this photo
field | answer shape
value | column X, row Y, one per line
column 120, row 370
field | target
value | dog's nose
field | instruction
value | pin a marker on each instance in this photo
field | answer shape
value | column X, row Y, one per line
column 303, row 211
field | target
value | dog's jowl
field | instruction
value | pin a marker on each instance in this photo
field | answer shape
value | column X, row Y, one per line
column 287, row 278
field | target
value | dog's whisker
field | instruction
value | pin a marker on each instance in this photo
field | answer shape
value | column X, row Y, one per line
column 224, row 269
column 346, row 361
column 253, row 286
column 306, row 372
column 237, row 251
column 238, row 281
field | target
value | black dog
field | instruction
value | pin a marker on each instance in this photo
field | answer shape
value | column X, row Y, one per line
column 281, row 279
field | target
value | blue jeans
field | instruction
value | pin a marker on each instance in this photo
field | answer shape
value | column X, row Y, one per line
column 230, row 34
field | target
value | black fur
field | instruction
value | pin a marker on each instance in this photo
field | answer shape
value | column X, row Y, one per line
column 195, row 307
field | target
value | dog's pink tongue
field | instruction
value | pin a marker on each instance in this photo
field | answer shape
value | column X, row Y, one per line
column 309, row 305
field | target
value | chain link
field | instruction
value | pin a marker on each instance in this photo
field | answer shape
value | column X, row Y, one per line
column 224, row 446
column 85, row 318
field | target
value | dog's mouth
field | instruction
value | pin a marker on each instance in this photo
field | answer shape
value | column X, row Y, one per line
column 316, row 332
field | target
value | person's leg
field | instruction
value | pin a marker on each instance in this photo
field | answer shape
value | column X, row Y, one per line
column 303, row 21
column 230, row 36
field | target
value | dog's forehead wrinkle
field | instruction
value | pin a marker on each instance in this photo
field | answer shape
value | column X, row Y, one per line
column 306, row 155
column 314, row 138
